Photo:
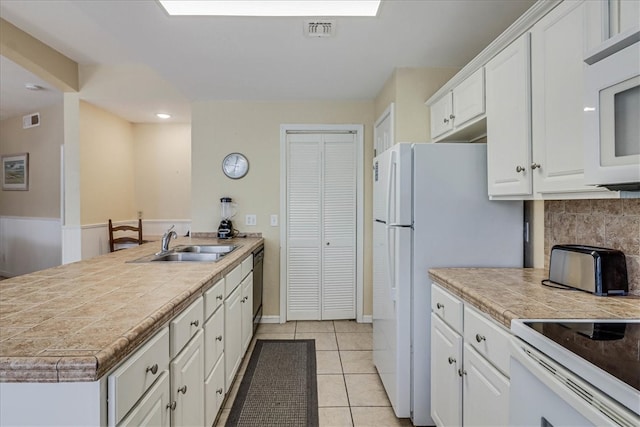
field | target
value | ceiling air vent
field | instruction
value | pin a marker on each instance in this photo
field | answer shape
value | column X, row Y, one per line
column 320, row 28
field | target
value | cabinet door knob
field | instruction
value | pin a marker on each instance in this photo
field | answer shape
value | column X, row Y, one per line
column 153, row 369
column 451, row 360
column 172, row 405
column 519, row 169
column 219, row 338
column 446, row 120
column 439, row 306
column 195, row 323
column 451, row 116
column 219, row 391
column 219, row 297
column 535, row 166
column 462, row 372
column 480, row 338
column 183, row 389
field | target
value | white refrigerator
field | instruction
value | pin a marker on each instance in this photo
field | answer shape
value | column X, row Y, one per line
column 431, row 209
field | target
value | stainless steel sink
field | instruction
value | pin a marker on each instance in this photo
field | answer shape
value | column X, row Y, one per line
column 205, row 249
column 187, row 256
column 190, row 253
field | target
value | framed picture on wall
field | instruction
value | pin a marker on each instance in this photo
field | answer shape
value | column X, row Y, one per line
column 15, row 172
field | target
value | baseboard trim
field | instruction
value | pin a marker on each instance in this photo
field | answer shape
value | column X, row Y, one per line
column 270, row 319
column 367, row 318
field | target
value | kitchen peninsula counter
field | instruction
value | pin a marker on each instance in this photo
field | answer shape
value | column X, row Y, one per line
column 75, row 322
column 516, row 293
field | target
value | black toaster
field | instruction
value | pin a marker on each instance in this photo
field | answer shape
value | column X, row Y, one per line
column 601, row 271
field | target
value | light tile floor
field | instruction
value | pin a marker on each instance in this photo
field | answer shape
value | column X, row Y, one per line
column 350, row 392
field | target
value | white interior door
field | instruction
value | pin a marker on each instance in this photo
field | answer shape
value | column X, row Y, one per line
column 321, row 226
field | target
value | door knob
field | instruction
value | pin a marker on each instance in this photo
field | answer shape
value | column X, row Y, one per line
column 153, row 369
column 183, row 389
column 451, row 360
column 535, row 166
column 519, row 169
column 172, row 405
column 480, row 338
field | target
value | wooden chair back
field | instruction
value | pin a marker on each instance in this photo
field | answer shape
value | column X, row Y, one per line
column 131, row 238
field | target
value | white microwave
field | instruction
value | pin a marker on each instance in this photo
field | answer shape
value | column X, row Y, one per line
column 612, row 113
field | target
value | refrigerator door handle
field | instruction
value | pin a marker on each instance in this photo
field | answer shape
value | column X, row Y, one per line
column 391, row 264
column 391, row 178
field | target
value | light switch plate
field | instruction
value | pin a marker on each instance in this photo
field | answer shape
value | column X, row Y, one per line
column 274, row 220
column 250, row 220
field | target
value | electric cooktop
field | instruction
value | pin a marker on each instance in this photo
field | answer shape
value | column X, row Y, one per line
column 613, row 347
column 605, row 353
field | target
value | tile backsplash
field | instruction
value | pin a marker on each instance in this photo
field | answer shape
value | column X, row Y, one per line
column 606, row 223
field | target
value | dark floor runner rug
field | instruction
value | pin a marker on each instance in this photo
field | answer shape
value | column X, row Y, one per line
column 279, row 386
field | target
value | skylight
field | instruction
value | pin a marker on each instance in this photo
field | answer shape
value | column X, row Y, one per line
column 272, row 8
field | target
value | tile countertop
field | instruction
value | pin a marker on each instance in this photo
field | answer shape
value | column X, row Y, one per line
column 516, row 293
column 77, row 321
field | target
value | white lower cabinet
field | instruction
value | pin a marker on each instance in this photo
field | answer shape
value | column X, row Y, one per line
column 214, row 393
column 153, row 409
column 469, row 380
column 187, row 386
column 247, row 311
column 233, row 335
column 446, row 387
column 485, row 392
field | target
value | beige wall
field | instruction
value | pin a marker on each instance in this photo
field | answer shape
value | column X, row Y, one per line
column 106, row 166
column 253, row 128
column 43, row 145
column 162, row 172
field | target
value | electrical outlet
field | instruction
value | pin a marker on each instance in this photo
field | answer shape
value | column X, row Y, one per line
column 250, row 220
column 274, row 220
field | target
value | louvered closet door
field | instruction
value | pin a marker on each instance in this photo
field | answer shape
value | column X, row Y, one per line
column 321, row 226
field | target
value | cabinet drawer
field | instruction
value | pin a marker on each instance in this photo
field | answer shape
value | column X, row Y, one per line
column 213, row 298
column 185, row 325
column 214, row 393
column 213, row 340
column 448, row 307
column 489, row 338
column 134, row 377
column 232, row 280
column 247, row 265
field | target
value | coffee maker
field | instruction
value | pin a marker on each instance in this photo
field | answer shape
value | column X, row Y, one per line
column 227, row 211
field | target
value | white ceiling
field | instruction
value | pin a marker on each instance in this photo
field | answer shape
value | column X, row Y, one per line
column 135, row 60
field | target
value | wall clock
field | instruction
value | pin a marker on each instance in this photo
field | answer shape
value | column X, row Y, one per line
column 235, row 165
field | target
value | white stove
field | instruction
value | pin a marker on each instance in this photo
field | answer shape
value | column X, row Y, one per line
column 575, row 372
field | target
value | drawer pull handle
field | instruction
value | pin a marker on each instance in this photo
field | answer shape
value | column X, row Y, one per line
column 219, row 297
column 172, row 405
column 219, row 338
column 480, row 338
column 439, row 306
column 451, row 360
column 462, row 372
column 183, row 389
column 195, row 323
column 219, row 391
column 153, row 369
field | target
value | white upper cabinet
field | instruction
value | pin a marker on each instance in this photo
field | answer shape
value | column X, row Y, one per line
column 623, row 16
column 558, row 44
column 441, row 112
column 509, row 120
column 468, row 99
column 455, row 112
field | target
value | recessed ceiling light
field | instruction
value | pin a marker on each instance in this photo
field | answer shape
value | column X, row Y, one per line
column 272, row 8
column 163, row 115
column 33, row 86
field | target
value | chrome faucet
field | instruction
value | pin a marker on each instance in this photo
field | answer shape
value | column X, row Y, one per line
column 166, row 238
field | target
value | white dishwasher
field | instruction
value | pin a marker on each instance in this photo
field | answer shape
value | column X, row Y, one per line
column 575, row 373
